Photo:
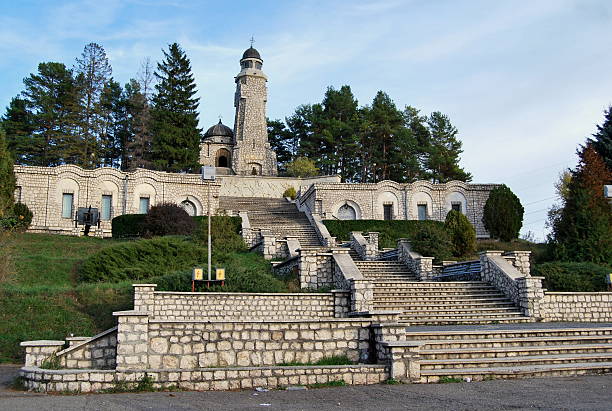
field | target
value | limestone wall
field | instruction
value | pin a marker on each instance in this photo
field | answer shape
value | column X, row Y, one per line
column 218, row 306
column 266, row 186
column 42, row 189
column 368, row 200
column 197, row 344
column 99, row 352
column 589, row 307
column 235, row 378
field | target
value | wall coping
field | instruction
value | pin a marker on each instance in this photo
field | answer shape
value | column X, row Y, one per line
column 244, row 294
column 403, row 343
column 508, row 269
column 578, row 293
column 87, row 341
column 253, row 321
column 42, row 343
column 130, row 313
column 144, row 285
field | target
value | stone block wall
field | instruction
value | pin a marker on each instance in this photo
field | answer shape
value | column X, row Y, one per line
column 98, row 352
column 365, row 244
column 267, row 186
column 235, row 378
column 190, row 345
column 590, row 307
column 218, row 306
column 421, row 266
column 316, row 268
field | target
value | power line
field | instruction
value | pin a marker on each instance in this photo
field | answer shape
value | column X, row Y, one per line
column 536, row 211
column 539, row 201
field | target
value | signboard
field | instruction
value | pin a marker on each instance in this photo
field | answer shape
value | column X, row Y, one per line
column 220, row 274
column 608, row 191
column 197, row 274
column 609, row 279
column 209, row 173
column 87, row 216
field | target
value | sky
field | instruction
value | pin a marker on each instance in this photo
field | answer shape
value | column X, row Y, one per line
column 525, row 82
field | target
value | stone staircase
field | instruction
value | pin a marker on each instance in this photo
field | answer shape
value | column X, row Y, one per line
column 445, row 303
column 479, row 354
column 277, row 215
column 384, row 271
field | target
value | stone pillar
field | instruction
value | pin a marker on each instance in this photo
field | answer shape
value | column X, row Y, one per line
column 521, row 261
column 362, row 295
column 341, row 303
column 405, row 364
column 269, row 244
column 425, row 270
column 144, row 297
column 486, row 272
column 308, row 268
column 531, row 295
column 386, row 333
column 132, row 340
column 36, row 352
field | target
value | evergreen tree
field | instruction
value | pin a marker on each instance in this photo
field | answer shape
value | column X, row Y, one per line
column 113, row 124
column 582, row 231
column 176, row 135
column 279, row 138
column 18, row 124
column 7, row 177
column 602, row 141
column 93, row 72
column 137, row 138
column 50, row 97
column 444, row 149
column 503, row 214
column 417, row 124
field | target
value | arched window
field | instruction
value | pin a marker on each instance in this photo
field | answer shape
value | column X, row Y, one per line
column 189, row 207
column 346, row 212
column 223, row 158
column 254, row 171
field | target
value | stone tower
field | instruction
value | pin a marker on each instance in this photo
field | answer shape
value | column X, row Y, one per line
column 252, row 154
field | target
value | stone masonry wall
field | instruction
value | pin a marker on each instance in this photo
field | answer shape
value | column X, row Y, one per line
column 234, row 378
column 189, row 345
column 99, row 352
column 218, row 306
column 589, row 307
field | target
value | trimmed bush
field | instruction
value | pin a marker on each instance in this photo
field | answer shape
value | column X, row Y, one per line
column 573, row 277
column 433, row 241
column 168, row 219
column 23, row 215
column 503, row 214
column 390, row 231
column 225, row 232
column 462, row 233
column 290, row 192
column 128, row 225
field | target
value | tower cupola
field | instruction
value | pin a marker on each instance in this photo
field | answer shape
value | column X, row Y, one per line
column 251, row 63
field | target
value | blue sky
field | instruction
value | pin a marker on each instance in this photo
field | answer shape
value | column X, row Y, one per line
column 525, row 82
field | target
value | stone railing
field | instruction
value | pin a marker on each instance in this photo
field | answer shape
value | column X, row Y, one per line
column 421, row 266
column 365, row 244
column 523, row 289
column 326, row 239
column 347, row 276
column 217, row 306
column 249, row 235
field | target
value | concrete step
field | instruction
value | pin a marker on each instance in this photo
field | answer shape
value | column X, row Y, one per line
column 476, row 320
column 474, row 363
column 517, row 371
column 514, row 351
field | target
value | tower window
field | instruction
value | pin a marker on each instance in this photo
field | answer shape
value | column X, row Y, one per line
column 258, row 65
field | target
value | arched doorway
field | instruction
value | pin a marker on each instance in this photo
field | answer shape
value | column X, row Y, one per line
column 189, row 207
column 223, row 158
column 346, row 212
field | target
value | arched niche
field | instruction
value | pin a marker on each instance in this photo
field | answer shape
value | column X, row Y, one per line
column 387, row 206
column 347, row 210
column 254, row 169
column 456, row 200
column 421, row 201
column 143, row 191
column 223, row 158
column 191, row 204
column 68, row 197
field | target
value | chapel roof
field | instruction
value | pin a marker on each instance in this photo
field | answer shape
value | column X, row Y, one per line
column 251, row 53
column 219, row 130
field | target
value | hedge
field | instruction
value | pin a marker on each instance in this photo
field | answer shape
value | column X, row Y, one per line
column 573, row 277
column 132, row 225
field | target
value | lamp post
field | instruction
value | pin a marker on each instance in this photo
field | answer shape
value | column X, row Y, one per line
column 209, row 175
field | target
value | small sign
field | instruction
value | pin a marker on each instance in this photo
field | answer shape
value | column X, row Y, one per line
column 609, row 279
column 209, row 173
column 198, row 274
column 220, row 274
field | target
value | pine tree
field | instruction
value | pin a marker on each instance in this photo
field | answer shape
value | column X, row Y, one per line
column 176, row 135
column 93, row 72
column 7, row 177
column 444, row 149
column 582, row 231
column 18, row 125
column 280, row 138
column 602, row 141
column 50, row 97
column 113, row 124
column 137, row 139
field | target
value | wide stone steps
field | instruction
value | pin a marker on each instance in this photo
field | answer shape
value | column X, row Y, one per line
column 513, row 352
column 391, row 305
column 475, row 320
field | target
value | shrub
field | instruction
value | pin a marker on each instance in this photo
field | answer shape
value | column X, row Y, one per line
column 128, row 225
column 225, row 232
column 168, row 219
column 390, row 231
column 433, row 241
column 302, row 167
column 462, row 233
column 23, row 216
column 290, row 192
column 503, row 214
column 573, row 277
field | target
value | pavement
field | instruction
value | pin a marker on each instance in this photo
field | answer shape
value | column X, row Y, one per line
column 568, row 393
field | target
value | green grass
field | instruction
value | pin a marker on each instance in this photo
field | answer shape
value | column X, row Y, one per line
column 333, row 383
column 449, row 380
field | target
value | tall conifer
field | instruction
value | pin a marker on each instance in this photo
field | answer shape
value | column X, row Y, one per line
column 176, row 135
column 602, row 141
column 7, row 177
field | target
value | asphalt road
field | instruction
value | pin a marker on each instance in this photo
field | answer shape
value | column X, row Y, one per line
column 573, row 393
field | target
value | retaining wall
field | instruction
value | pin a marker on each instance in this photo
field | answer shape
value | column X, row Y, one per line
column 589, row 307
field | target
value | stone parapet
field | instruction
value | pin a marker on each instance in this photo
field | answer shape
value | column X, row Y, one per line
column 420, row 266
column 36, row 352
column 588, row 307
column 132, row 340
column 365, row 244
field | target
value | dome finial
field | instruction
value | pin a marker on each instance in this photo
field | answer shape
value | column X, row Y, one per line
column 252, row 41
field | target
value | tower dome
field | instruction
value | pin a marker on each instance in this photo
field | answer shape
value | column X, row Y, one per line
column 251, row 53
column 218, row 130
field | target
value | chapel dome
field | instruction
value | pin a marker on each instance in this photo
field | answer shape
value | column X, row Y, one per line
column 251, row 53
column 219, row 130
